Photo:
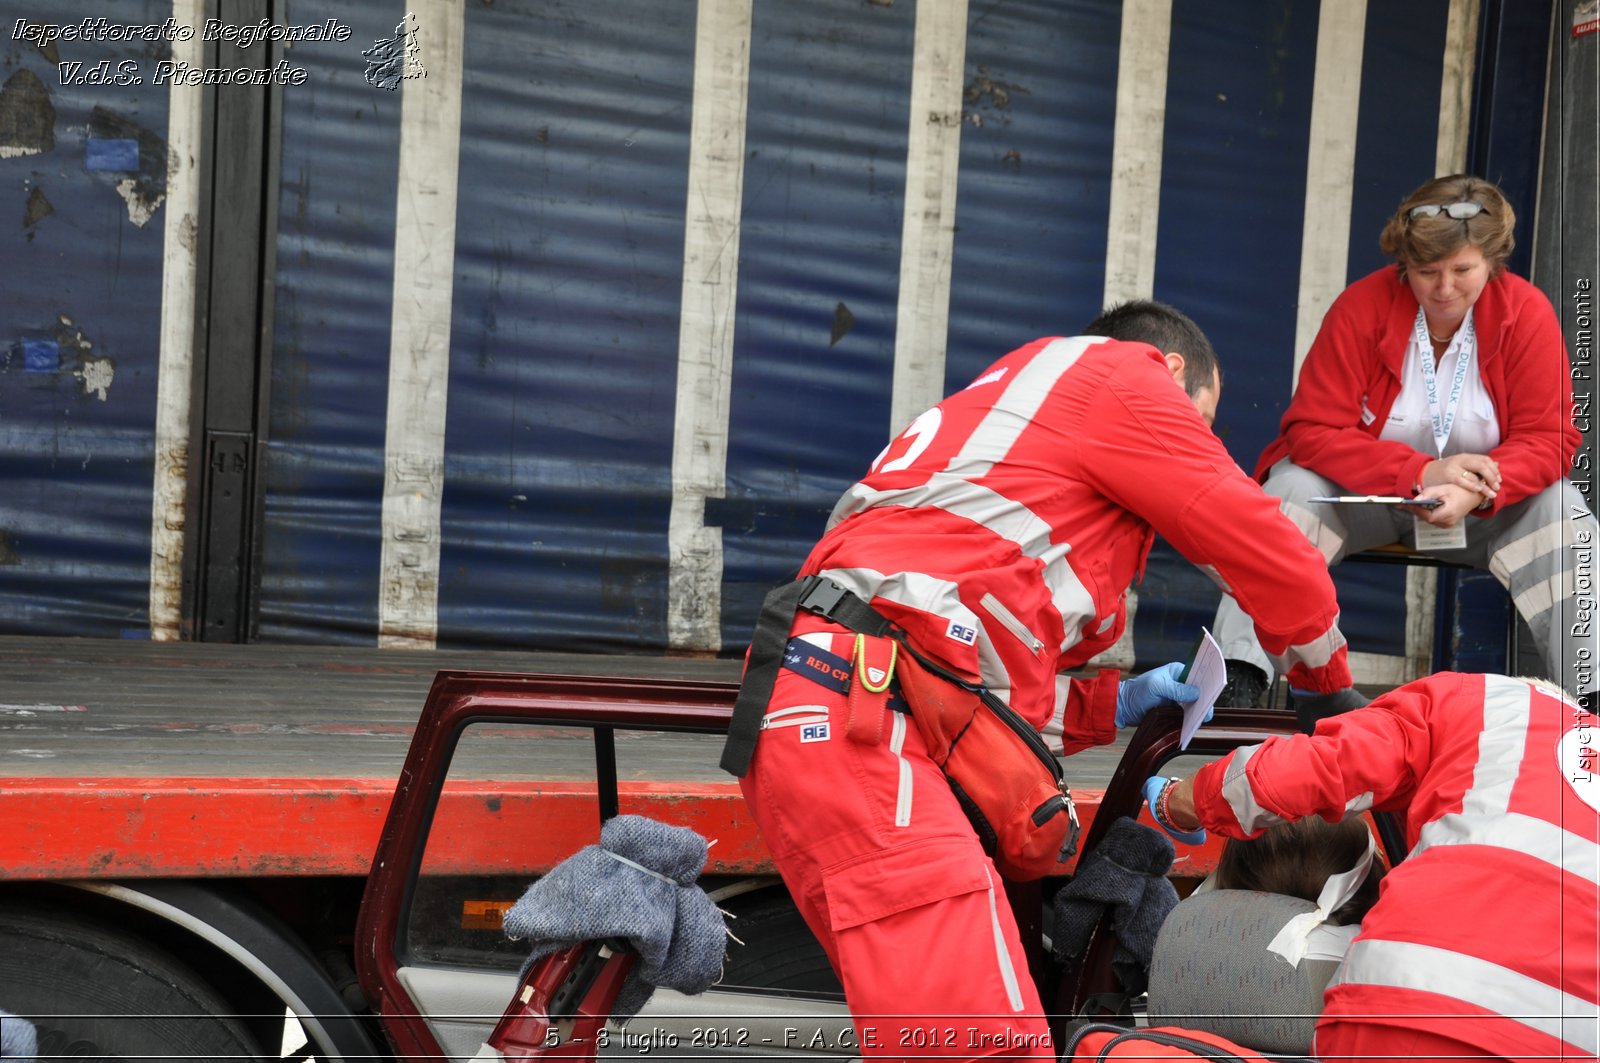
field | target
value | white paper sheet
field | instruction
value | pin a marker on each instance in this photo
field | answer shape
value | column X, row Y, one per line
column 1208, row 672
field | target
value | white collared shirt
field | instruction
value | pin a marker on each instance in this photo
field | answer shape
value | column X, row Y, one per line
column 1475, row 431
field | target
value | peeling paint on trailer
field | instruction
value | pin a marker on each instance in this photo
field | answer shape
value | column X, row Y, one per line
column 27, row 117
column 118, row 144
column 77, row 396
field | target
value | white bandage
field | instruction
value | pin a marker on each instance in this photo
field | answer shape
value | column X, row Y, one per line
column 1293, row 940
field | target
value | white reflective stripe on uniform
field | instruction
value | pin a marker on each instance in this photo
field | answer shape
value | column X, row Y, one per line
column 914, row 590
column 1316, row 653
column 1013, row 412
column 1005, row 518
column 1002, row 954
column 954, row 491
column 992, row 670
column 1474, row 981
column 1502, row 744
column 957, row 495
column 1250, row 813
column 822, row 640
column 1358, row 803
column 1541, row 596
column 1327, row 540
column 1072, row 599
column 1216, row 577
column 897, row 746
column 1528, row 835
column 1240, row 798
column 1485, row 817
column 1525, row 551
column 1055, row 727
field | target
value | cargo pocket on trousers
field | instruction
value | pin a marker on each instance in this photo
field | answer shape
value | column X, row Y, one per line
column 884, row 883
column 889, row 883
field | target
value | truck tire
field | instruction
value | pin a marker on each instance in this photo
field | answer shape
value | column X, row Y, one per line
column 92, row 990
column 778, row 951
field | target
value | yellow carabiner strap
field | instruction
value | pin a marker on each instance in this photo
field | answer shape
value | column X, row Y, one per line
column 859, row 660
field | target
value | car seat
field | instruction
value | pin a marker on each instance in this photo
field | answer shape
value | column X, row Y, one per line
column 1213, row 971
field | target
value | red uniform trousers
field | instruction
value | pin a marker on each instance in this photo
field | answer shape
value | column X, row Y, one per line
column 1356, row 1042
column 888, row 873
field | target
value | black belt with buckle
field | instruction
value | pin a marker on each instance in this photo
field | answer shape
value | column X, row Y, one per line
column 813, row 594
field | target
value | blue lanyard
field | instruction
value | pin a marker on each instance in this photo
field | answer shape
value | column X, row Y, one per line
column 1443, row 421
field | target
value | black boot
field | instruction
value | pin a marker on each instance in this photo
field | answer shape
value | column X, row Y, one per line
column 1309, row 708
column 1245, row 688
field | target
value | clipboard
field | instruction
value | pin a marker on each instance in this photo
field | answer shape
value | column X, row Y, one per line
column 1378, row 500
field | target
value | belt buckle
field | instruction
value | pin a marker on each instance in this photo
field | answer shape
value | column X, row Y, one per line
column 823, row 596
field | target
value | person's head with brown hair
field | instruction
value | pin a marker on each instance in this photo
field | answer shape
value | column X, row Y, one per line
column 1298, row 858
column 1447, row 214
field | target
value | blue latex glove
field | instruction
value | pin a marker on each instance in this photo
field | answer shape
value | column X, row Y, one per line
column 1139, row 695
column 1152, row 790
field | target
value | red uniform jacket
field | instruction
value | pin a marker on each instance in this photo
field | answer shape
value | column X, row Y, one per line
column 1489, row 931
column 1003, row 528
column 1351, row 377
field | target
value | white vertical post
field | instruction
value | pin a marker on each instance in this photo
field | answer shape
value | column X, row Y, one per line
column 705, row 336
column 927, row 243
column 1455, row 87
column 419, row 340
column 1141, row 117
column 1330, row 169
column 179, row 264
column 1134, row 211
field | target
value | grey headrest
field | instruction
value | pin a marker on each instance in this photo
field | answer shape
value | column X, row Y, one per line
column 1212, row 971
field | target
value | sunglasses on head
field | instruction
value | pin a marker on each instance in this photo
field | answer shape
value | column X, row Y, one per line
column 1460, row 211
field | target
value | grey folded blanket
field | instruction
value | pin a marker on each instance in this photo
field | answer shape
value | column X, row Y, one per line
column 637, row 885
column 1126, row 873
column 17, row 1038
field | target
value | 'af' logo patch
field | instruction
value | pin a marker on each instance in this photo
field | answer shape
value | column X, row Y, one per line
column 962, row 633
column 814, row 732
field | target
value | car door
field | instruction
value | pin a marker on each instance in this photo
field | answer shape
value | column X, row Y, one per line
column 509, row 774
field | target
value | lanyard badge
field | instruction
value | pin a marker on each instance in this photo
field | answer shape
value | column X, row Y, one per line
column 1428, row 537
column 1465, row 344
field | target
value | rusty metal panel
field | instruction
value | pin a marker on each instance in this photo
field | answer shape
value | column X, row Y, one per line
column 568, row 273
column 83, row 169
column 323, row 473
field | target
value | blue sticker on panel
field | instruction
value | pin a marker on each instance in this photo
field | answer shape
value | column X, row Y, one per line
column 117, row 154
column 40, row 356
